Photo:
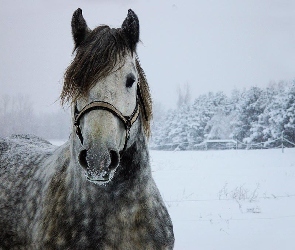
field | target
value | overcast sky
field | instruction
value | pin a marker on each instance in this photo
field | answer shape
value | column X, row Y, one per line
column 211, row 45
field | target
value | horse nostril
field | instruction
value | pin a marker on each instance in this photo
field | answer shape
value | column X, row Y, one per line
column 106, row 175
column 82, row 158
column 114, row 159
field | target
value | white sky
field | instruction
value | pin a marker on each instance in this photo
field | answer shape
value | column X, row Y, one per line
column 212, row 45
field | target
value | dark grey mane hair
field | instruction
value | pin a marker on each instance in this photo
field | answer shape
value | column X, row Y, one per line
column 96, row 56
column 146, row 106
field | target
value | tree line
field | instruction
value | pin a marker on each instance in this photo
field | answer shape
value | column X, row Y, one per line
column 251, row 115
column 18, row 116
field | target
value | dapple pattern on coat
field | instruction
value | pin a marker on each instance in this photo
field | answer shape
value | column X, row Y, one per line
column 46, row 202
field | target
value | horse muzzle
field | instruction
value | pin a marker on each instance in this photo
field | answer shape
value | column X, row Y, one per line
column 99, row 166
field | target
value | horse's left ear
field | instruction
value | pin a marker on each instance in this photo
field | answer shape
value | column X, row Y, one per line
column 79, row 27
column 130, row 28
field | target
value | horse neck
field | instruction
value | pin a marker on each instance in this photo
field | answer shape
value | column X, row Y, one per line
column 134, row 165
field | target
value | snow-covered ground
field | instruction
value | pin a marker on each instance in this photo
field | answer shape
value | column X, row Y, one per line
column 234, row 199
column 237, row 199
column 57, row 142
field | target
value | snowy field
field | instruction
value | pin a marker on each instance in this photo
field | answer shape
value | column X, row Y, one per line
column 235, row 199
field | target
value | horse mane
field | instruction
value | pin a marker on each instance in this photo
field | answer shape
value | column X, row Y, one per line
column 146, row 106
column 96, row 57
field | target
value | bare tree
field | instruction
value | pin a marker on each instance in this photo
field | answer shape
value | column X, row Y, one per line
column 183, row 95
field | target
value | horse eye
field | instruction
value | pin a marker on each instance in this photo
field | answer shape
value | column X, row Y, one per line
column 130, row 80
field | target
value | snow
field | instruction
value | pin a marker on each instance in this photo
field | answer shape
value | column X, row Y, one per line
column 57, row 142
column 234, row 199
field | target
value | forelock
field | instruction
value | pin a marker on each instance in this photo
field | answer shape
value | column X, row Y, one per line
column 95, row 58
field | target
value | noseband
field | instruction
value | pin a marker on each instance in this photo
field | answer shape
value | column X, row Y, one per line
column 128, row 121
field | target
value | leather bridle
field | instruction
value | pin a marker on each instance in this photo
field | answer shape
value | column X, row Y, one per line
column 128, row 121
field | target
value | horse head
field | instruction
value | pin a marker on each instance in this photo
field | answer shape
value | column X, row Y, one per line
column 109, row 95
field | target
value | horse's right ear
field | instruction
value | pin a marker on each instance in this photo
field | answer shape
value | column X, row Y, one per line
column 79, row 27
column 130, row 28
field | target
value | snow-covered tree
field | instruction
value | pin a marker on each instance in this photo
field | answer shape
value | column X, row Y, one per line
column 277, row 118
column 280, row 113
column 289, row 122
column 250, row 106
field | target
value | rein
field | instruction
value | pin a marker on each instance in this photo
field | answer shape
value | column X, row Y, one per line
column 128, row 121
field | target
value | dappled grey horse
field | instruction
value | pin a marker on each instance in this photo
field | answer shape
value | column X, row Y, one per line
column 96, row 191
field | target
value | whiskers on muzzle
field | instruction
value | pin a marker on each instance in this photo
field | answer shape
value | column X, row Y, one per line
column 99, row 170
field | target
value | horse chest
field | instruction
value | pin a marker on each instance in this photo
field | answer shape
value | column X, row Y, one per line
column 138, row 227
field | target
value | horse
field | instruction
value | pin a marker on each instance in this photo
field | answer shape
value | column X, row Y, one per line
column 96, row 191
